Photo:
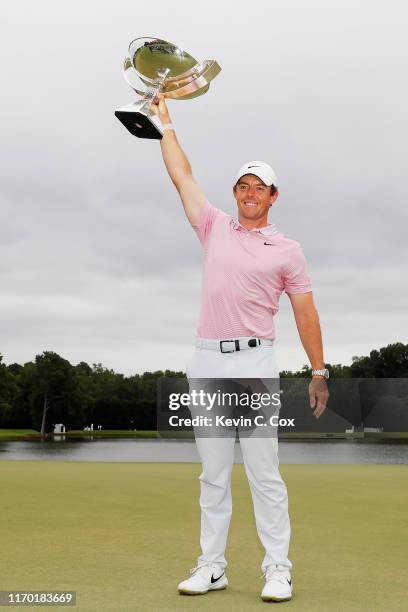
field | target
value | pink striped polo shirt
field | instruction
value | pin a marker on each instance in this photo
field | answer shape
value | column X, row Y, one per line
column 244, row 274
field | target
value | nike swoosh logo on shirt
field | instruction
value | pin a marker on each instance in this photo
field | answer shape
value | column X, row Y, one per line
column 268, row 244
column 216, row 579
column 253, row 166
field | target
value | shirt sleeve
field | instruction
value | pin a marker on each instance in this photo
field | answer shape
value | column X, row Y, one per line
column 295, row 275
column 205, row 222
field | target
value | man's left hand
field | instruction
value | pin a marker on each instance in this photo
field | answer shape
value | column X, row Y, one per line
column 319, row 394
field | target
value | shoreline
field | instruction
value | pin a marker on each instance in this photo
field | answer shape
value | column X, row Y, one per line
column 27, row 435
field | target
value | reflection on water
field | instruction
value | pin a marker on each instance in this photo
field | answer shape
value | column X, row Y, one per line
column 290, row 451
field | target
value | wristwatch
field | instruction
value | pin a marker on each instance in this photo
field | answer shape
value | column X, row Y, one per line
column 324, row 372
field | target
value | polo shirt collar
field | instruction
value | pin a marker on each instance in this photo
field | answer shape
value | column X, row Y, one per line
column 268, row 230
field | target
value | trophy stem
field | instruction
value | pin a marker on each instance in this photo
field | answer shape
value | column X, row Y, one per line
column 152, row 92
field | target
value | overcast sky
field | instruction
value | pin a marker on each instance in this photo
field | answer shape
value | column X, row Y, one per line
column 98, row 262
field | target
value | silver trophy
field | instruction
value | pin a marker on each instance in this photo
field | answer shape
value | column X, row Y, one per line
column 162, row 68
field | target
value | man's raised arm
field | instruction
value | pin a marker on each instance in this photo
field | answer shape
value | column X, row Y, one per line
column 178, row 166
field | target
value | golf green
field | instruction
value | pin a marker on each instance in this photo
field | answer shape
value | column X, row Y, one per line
column 122, row 535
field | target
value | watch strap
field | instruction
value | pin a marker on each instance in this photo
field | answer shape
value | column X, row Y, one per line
column 324, row 373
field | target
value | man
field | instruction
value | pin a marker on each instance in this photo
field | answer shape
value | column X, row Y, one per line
column 247, row 265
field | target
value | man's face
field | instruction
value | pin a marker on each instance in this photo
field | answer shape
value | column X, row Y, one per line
column 253, row 197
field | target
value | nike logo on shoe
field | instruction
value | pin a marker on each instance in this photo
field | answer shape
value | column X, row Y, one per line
column 216, row 579
column 289, row 582
column 253, row 166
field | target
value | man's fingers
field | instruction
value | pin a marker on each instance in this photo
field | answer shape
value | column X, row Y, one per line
column 319, row 410
column 316, row 403
column 163, row 106
column 321, row 403
column 157, row 100
column 154, row 106
column 319, row 395
column 159, row 108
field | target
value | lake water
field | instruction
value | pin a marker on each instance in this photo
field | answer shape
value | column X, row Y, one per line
column 290, row 451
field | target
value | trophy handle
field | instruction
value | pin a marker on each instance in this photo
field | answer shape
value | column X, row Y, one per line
column 196, row 83
column 190, row 84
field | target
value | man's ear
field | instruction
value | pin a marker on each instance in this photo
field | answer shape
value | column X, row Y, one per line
column 273, row 198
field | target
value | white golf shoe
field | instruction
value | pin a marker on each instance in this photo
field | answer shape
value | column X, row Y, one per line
column 278, row 585
column 204, row 578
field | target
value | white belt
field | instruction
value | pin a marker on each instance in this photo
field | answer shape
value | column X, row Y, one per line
column 230, row 346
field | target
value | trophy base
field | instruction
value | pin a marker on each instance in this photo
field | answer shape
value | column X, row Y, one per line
column 138, row 123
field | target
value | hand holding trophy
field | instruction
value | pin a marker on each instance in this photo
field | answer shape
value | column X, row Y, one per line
column 163, row 68
column 159, row 107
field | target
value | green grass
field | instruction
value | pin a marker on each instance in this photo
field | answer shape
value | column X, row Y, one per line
column 103, row 433
column 114, row 433
column 12, row 433
column 124, row 534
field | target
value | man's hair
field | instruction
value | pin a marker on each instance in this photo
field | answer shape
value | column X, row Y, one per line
column 273, row 188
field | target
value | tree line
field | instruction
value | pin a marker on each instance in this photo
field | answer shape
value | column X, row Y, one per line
column 51, row 390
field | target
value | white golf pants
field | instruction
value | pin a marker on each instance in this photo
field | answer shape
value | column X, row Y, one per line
column 260, row 455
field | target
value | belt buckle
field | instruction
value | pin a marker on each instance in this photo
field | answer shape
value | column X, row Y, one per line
column 222, row 350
